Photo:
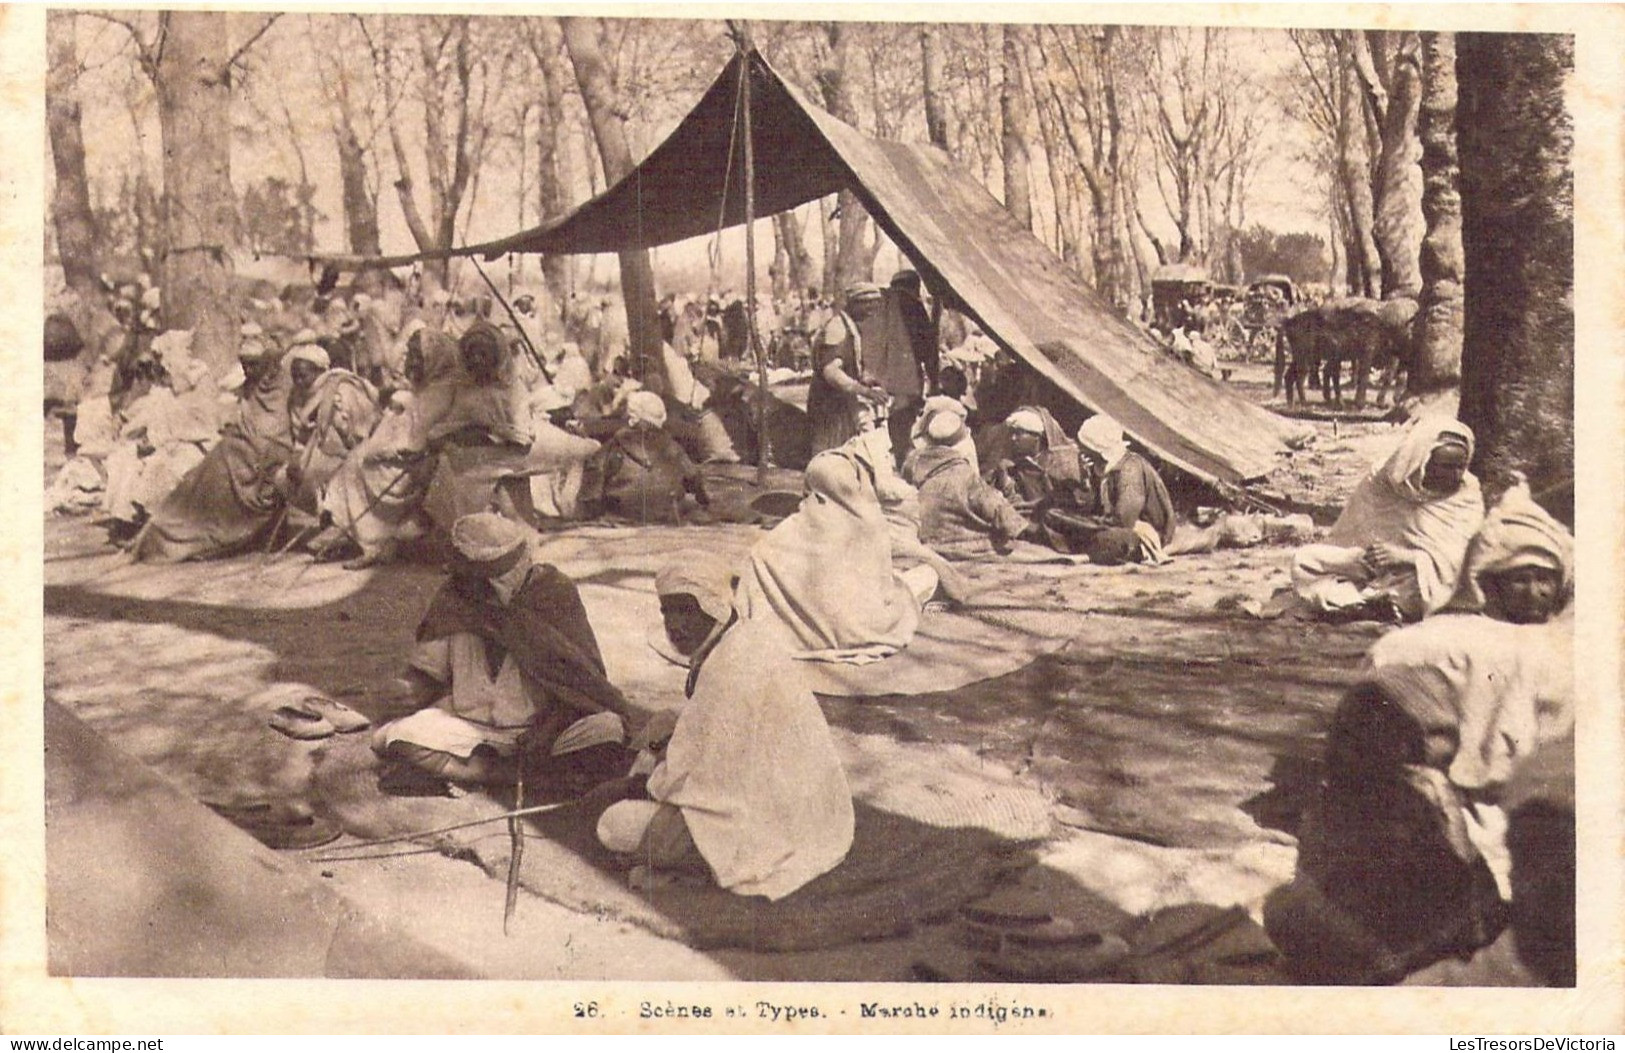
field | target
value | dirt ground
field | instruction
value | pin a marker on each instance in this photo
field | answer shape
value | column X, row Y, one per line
column 1172, row 740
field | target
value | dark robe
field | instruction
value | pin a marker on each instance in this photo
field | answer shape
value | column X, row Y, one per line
column 229, row 500
column 1133, row 491
column 546, row 631
column 645, row 474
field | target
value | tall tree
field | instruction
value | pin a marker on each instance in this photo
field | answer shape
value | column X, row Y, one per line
column 552, row 176
column 192, row 74
column 71, row 211
column 341, row 86
column 1390, row 69
column 596, row 82
column 1354, row 161
column 1018, row 190
column 1437, row 357
column 852, row 260
column 938, row 118
column 188, row 59
column 445, row 61
column 1516, row 139
column 798, row 261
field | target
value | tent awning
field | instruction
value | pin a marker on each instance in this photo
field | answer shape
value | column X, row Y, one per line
column 960, row 238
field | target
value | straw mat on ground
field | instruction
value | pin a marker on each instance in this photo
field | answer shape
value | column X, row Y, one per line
column 900, row 872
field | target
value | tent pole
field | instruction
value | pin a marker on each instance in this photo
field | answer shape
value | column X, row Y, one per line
column 764, row 452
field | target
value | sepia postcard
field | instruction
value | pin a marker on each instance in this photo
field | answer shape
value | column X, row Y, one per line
column 813, row 519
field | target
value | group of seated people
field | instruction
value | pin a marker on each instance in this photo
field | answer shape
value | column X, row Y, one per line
column 743, row 784
column 189, row 466
column 1413, row 849
column 1022, row 481
column 1443, row 832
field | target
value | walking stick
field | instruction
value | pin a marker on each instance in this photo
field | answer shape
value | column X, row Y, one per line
column 346, row 532
column 516, row 841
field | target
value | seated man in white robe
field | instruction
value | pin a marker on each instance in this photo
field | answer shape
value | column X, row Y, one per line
column 748, row 788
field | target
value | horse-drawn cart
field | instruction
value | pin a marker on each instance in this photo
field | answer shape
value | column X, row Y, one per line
column 1269, row 299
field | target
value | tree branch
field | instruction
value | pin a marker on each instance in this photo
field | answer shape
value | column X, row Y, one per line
column 237, row 55
column 143, row 50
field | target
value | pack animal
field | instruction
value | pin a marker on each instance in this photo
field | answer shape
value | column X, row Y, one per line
column 1364, row 333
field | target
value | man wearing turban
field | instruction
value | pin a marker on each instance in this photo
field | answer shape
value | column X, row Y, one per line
column 644, row 474
column 506, row 670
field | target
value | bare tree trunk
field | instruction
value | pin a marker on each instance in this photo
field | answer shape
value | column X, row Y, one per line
column 1365, row 264
column 798, row 261
column 778, row 272
column 360, row 207
column 71, row 212
column 937, row 118
column 1436, row 363
column 831, row 242
column 1018, row 189
column 1397, row 189
column 852, row 260
column 1517, row 203
column 552, row 180
column 194, row 106
column 601, row 98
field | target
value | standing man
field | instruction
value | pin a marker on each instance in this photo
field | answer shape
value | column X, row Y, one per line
column 900, row 352
column 843, row 395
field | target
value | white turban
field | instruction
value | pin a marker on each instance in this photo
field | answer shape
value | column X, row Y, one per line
column 1026, row 420
column 645, row 407
column 1104, row 436
column 944, row 420
column 485, row 537
column 312, row 353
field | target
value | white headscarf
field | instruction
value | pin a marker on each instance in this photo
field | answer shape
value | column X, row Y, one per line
column 312, row 353
column 645, row 407
column 1104, row 436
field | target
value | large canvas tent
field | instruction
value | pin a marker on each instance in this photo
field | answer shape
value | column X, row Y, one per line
column 964, row 243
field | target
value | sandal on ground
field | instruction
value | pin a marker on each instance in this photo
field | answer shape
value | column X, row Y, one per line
column 300, row 720
column 342, row 717
column 280, row 824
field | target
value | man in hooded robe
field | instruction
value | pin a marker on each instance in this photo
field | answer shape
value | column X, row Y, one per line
column 1131, row 500
column 824, row 576
column 1397, row 550
column 337, row 412
column 961, row 515
column 226, row 503
column 478, row 426
column 374, row 498
column 746, row 784
column 165, row 434
column 506, row 669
